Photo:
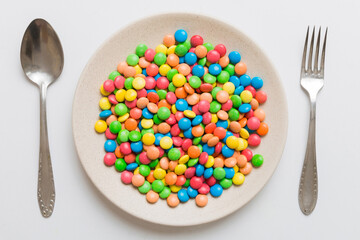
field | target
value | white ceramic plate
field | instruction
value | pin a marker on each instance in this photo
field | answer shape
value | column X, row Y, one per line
column 89, row 144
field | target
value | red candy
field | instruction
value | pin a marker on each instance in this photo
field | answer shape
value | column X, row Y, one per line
column 196, row 182
column 109, row 159
column 213, row 56
column 203, row 158
column 119, row 82
column 254, row 140
column 162, row 83
column 204, row 106
column 126, row 177
column 190, row 172
column 150, row 82
column 109, row 85
column 149, row 54
column 110, row 135
column 204, row 189
column 196, row 40
column 253, row 123
column 221, row 49
column 247, row 153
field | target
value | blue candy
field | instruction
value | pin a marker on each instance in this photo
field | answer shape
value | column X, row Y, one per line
column 197, row 120
column 222, row 123
column 181, row 105
column 184, row 124
column 136, row 146
column 158, row 137
column 199, row 170
column 183, row 195
column 180, row 35
column 139, row 126
column 234, row 57
column 257, row 82
column 187, row 133
column 215, row 69
column 190, row 58
column 235, row 80
column 147, row 114
column 228, row 134
column 144, row 72
column 181, row 59
column 227, row 152
column 244, row 108
column 157, row 76
column 110, row 145
column 239, row 90
column 229, row 172
column 132, row 166
column 245, row 80
column 105, row 113
column 216, row 190
column 192, row 192
column 198, row 70
column 208, row 172
column 208, row 150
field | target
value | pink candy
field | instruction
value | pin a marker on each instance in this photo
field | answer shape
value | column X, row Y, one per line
column 254, row 140
column 109, row 159
column 126, row 177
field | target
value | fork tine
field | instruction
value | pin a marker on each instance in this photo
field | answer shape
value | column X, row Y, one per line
column 304, row 53
column 323, row 54
column 316, row 65
column 311, row 51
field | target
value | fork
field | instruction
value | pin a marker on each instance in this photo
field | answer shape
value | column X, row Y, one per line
column 312, row 81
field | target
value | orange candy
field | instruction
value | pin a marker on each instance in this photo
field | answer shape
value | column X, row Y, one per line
column 230, row 162
column 152, row 153
column 210, row 128
column 206, row 137
column 224, row 61
column 201, row 200
column 218, row 162
column 172, row 60
column 197, row 131
column 138, row 180
column 220, row 132
column 188, row 89
column 241, row 160
column 213, row 141
column 243, row 122
column 164, row 103
column 152, row 107
column 164, row 128
column 142, row 102
column 240, row 68
column 173, row 200
column 121, row 67
column 222, row 96
column 184, row 69
column 260, row 114
column 206, row 97
column 200, row 51
column 193, row 99
column 153, row 97
column 235, row 126
column 180, row 92
column 129, row 72
column 263, row 129
column 169, row 40
column 194, row 151
column 111, row 119
column 254, row 104
column 164, row 163
column 143, row 63
column 131, row 124
column 247, row 169
column 170, row 178
column 152, row 197
column 150, row 178
column 172, row 165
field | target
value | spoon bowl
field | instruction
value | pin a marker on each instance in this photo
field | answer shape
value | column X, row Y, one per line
column 42, row 60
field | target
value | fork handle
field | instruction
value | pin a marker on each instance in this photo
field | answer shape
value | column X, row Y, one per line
column 308, row 189
column 46, row 188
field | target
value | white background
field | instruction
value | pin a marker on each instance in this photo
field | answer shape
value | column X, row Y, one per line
column 279, row 29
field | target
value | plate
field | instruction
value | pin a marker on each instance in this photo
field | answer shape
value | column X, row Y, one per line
column 90, row 145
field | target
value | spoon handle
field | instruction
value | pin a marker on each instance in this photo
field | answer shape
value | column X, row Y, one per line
column 46, row 188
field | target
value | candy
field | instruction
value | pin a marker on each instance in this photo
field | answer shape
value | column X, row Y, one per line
column 178, row 119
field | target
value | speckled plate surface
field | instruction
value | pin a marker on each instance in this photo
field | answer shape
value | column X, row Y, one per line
column 90, row 145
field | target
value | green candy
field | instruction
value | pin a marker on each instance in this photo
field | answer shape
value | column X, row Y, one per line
column 236, row 100
column 144, row 170
column 208, row 78
column 113, row 75
column 154, row 163
column 160, row 58
column 181, row 49
column 215, row 91
column 171, row 73
column 202, row 61
column 141, row 49
column 187, row 44
column 233, row 114
column 196, row 141
column 174, row 154
column 195, row 81
column 128, row 83
column 120, row 109
column 208, row 46
column 230, row 69
column 145, row 188
column 165, row 193
column 171, row 87
column 115, row 127
column 192, row 162
column 257, row 160
column 223, row 77
column 156, row 120
column 161, row 93
column 120, row 164
column 157, row 185
column 132, row 59
column 226, row 183
column 215, row 107
column 135, row 136
column 219, row 173
column 137, row 159
column 123, row 136
column 144, row 131
column 187, row 183
column 200, row 147
column 163, row 113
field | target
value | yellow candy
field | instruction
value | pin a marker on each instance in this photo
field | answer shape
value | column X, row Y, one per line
column 103, row 92
column 130, row 95
column 244, row 133
column 214, row 118
column 180, row 169
column 137, row 171
column 208, row 63
column 214, row 84
column 236, row 168
column 123, row 117
column 189, row 114
column 175, row 188
column 104, row 103
column 148, row 139
column 171, row 50
column 238, row 178
column 181, row 134
column 210, row 162
column 232, row 142
column 147, row 123
column 138, row 83
column 229, row 87
column 163, row 69
column 166, row 142
column 173, row 109
column 246, row 96
column 159, row 173
column 100, row 126
column 120, row 95
column 184, row 159
column 161, row 48
column 241, row 145
column 138, row 69
column 163, row 180
column 179, row 80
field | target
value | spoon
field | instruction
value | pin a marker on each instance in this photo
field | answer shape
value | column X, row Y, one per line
column 42, row 60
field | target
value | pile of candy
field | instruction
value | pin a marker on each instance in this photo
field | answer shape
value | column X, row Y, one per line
column 179, row 119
